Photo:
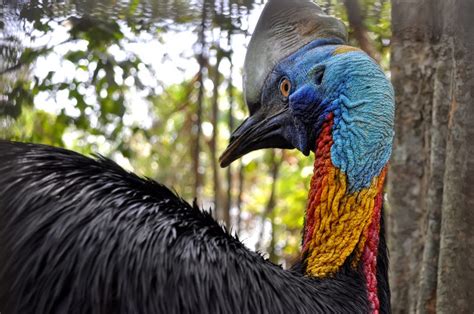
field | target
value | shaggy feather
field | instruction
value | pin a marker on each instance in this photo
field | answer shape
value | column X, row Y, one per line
column 79, row 235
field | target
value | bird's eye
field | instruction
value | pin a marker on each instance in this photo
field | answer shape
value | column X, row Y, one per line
column 285, row 87
column 319, row 74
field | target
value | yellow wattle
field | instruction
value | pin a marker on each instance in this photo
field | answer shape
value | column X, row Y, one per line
column 341, row 223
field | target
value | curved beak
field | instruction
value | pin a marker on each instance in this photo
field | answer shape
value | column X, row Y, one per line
column 264, row 129
column 283, row 28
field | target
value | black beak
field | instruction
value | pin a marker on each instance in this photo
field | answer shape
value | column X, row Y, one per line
column 261, row 130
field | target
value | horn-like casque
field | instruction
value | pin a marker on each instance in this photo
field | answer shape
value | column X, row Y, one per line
column 284, row 27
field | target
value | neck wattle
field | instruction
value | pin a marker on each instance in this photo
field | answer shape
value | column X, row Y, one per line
column 341, row 225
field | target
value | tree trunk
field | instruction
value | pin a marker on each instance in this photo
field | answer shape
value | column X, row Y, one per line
column 230, row 94
column 271, row 249
column 198, row 120
column 356, row 22
column 430, row 186
column 426, row 302
column 221, row 211
column 240, row 196
column 412, row 68
column 456, row 261
column 274, row 171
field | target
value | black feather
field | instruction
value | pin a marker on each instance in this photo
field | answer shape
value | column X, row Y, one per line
column 79, row 235
column 383, row 286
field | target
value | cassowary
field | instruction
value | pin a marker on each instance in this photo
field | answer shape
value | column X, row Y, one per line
column 81, row 235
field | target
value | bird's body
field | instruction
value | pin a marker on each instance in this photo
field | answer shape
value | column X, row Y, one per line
column 79, row 235
column 83, row 236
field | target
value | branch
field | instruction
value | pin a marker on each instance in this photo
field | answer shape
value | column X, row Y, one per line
column 356, row 22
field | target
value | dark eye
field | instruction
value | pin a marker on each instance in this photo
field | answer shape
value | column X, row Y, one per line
column 319, row 74
column 285, row 87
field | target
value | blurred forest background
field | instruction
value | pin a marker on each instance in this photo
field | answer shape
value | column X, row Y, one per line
column 156, row 86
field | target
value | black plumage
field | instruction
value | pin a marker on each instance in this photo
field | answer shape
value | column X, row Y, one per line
column 79, row 235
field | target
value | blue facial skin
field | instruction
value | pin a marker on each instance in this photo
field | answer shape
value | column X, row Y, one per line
column 355, row 89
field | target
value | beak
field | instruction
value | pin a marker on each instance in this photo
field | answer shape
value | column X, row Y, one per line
column 261, row 130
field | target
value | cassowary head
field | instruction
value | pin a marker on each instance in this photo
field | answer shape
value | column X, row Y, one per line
column 298, row 74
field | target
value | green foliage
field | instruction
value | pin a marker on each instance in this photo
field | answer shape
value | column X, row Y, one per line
column 99, row 91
